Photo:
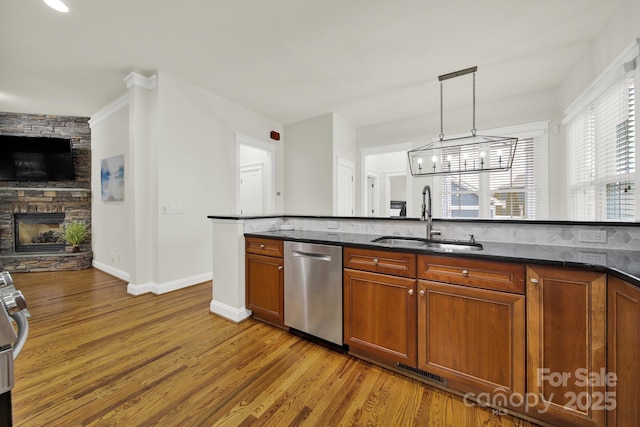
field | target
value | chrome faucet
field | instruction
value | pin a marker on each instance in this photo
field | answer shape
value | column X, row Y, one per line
column 426, row 212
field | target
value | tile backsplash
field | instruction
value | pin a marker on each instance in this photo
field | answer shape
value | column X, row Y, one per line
column 619, row 237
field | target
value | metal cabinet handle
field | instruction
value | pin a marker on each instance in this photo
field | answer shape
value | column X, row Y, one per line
column 465, row 272
column 263, row 246
column 533, row 280
column 280, row 267
column 410, row 291
column 421, row 292
column 375, row 261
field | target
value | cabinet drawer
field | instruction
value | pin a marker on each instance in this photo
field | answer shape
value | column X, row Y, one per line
column 480, row 274
column 270, row 247
column 396, row 263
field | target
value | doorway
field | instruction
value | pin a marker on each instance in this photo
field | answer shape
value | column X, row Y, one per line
column 255, row 176
column 396, row 193
column 390, row 163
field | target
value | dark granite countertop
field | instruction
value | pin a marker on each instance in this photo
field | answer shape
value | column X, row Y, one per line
column 622, row 264
column 233, row 217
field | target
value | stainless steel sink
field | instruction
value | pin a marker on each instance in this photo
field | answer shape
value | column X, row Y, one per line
column 440, row 245
column 451, row 246
column 401, row 241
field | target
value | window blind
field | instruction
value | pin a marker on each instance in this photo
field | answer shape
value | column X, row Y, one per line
column 513, row 191
column 601, row 146
column 510, row 194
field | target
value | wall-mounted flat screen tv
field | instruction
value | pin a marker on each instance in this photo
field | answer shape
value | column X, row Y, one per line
column 35, row 159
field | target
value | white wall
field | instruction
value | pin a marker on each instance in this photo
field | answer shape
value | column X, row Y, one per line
column 110, row 232
column 397, row 188
column 180, row 150
column 195, row 140
column 312, row 150
column 251, row 156
column 531, row 107
column 344, row 139
column 308, row 166
column 381, row 164
column 344, row 148
column 619, row 32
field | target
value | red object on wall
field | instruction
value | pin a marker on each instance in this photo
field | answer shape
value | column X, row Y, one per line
column 275, row 135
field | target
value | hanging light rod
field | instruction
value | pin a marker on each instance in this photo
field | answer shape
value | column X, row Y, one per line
column 468, row 154
column 457, row 73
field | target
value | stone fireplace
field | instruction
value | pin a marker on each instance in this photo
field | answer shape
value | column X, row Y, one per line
column 30, row 211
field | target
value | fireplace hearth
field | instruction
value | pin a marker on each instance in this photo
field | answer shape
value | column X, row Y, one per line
column 36, row 232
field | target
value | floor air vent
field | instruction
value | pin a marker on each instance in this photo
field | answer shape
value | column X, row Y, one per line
column 425, row 374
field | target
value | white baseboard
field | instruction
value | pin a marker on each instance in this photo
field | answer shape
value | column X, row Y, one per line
column 162, row 288
column 181, row 283
column 133, row 289
column 228, row 312
column 122, row 275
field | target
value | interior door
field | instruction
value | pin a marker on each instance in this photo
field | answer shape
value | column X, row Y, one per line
column 251, row 197
column 346, row 189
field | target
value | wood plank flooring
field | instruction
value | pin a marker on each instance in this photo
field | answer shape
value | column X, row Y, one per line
column 97, row 356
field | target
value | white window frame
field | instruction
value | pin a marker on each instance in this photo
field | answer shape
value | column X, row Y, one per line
column 600, row 86
column 538, row 130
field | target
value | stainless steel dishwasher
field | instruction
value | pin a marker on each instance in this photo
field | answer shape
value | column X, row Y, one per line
column 313, row 289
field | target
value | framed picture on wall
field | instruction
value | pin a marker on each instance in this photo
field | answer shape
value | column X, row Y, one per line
column 112, row 178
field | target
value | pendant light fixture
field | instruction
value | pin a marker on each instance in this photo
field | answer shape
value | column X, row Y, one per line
column 57, row 5
column 473, row 153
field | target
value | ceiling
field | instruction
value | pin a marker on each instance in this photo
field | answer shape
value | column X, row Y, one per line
column 369, row 61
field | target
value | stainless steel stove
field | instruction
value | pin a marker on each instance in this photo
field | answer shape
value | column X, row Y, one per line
column 13, row 309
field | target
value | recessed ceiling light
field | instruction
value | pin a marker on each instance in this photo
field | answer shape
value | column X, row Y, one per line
column 57, row 5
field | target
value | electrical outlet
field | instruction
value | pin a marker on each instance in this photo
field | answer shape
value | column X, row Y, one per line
column 593, row 258
column 593, row 236
column 332, row 224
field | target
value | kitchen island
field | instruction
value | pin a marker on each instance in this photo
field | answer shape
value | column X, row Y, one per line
column 531, row 311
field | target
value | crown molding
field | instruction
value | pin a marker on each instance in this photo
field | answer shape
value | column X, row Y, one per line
column 135, row 79
column 109, row 109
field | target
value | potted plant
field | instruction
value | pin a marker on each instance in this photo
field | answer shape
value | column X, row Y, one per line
column 73, row 232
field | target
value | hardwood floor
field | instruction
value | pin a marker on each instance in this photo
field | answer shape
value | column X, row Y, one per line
column 98, row 356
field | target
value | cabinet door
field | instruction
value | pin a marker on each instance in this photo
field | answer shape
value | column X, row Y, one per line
column 566, row 343
column 623, row 348
column 265, row 287
column 473, row 337
column 380, row 316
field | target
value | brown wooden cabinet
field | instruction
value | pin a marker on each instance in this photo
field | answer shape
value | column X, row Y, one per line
column 265, row 279
column 498, row 276
column 380, row 309
column 470, row 336
column 566, row 344
column 623, row 350
column 546, row 339
column 376, row 261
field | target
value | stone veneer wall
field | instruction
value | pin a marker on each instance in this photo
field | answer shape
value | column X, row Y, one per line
column 73, row 198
